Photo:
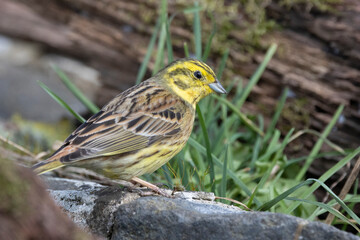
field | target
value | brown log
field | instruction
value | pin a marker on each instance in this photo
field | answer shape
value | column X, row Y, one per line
column 318, row 58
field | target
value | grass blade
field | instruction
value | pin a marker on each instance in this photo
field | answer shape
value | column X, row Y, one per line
column 323, row 178
column 274, row 161
column 243, row 118
column 159, row 61
column 169, row 48
column 338, row 200
column 218, row 163
column 61, row 102
column 327, row 141
column 75, row 90
column 256, row 151
column 279, row 108
column 193, row 9
column 186, row 50
column 167, row 175
column 208, row 148
column 320, row 155
column 266, row 206
column 208, row 103
column 223, row 63
column 319, row 143
column 255, row 78
column 209, row 42
column 327, row 208
column 182, row 168
column 197, row 32
column 224, row 174
column 150, row 49
column 270, row 148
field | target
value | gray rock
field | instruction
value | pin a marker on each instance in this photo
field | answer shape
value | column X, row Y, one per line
column 75, row 197
column 116, row 213
column 161, row 218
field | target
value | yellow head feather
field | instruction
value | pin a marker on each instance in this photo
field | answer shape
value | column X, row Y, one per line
column 190, row 79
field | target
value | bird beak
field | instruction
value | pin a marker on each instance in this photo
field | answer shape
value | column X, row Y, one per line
column 216, row 86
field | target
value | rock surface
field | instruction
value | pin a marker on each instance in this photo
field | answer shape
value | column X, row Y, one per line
column 116, row 213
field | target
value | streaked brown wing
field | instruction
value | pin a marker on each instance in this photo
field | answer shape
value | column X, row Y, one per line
column 110, row 132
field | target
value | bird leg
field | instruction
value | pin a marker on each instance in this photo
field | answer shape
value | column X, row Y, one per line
column 151, row 186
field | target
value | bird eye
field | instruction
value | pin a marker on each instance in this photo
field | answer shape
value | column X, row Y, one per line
column 197, row 74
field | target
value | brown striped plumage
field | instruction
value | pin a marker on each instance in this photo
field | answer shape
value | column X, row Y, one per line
column 142, row 128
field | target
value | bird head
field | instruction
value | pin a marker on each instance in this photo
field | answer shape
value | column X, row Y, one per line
column 190, row 79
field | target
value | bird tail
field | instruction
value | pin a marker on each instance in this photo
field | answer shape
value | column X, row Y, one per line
column 47, row 165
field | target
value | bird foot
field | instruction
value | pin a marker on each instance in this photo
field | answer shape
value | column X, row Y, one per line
column 153, row 187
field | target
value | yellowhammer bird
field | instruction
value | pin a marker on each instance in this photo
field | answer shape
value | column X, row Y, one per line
column 140, row 129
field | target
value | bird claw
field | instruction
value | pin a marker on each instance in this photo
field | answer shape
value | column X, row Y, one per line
column 160, row 192
column 154, row 188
